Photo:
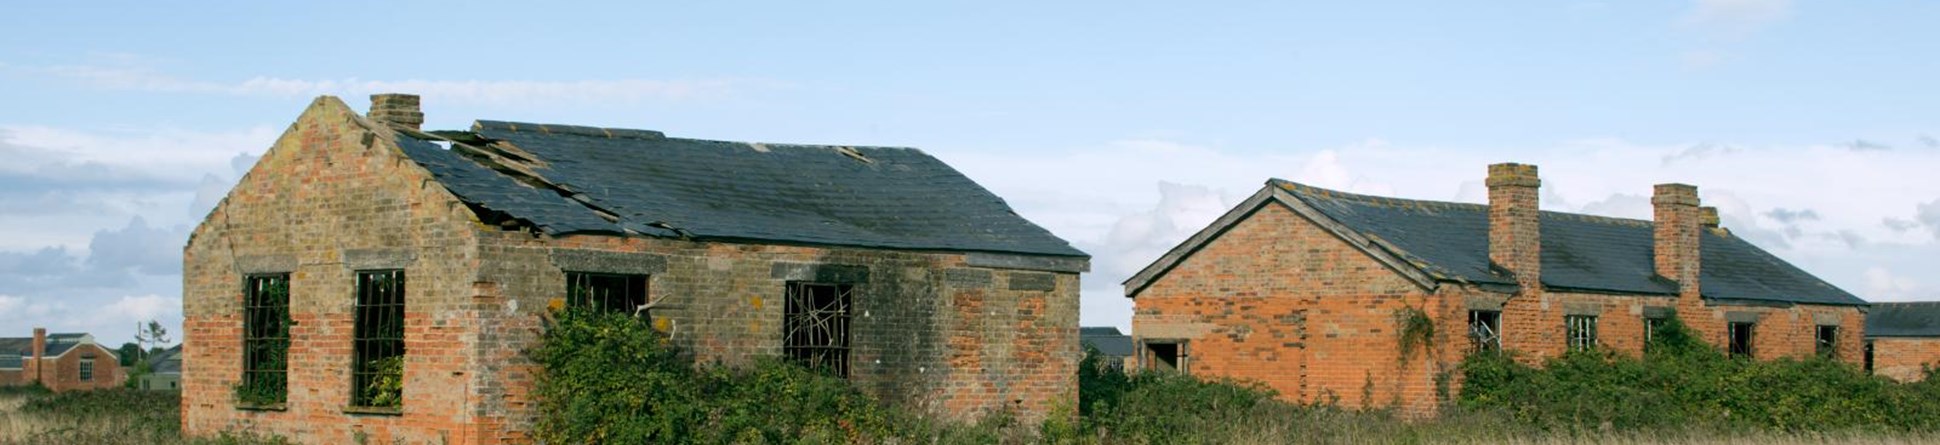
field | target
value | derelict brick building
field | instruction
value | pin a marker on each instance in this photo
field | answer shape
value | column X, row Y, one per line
column 369, row 279
column 1311, row 291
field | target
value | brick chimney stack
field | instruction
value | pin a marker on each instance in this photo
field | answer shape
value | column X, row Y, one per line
column 1675, row 235
column 40, row 347
column 1708, row 217
column 1515, row 235
column 396, row 109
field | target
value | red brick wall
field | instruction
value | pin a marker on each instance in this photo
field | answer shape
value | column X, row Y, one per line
column 1905, row 358
column 328, row 197
column 928, row 331
column 1280, row 301
column 64, row 373
column 1779, row 332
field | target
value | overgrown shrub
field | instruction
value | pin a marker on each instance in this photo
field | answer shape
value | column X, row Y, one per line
column 611, row 378
column 1683, row 383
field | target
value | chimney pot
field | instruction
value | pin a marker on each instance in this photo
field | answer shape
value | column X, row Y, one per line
column 1513, row 174
column 397, row 109
column 1515, row 232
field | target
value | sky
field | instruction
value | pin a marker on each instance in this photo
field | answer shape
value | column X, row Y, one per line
column 1121, row 126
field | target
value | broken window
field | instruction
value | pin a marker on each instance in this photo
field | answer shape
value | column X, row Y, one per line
column 1651, row 324
column 1165, row 355
column 377, row 355
column 1581, row 331
column 1485, row 330
column 1828, row 341
column 87, row 368
column 606, row 292
column 1740, row 333
column 816, row 327
column 266, row 340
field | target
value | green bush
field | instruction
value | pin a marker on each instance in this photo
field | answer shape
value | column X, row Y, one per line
column 1684, row 383
column 611, row 378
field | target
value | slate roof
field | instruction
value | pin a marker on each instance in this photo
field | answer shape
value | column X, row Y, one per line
column 1450, row 241
column 169, row 361
column 1921, row 319
column 57, row 344
column 1108, row 340
column 10, row 360
column 650, row 184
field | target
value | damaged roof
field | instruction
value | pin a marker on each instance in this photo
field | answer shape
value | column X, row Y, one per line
column 569, row 179
column 1917, row 319
column 1450, row 241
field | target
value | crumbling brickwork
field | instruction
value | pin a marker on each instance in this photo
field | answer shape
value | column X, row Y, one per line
column 949, row 333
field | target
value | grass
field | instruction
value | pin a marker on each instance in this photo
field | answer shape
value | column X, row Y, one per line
column 117, row 417
column 31, row 415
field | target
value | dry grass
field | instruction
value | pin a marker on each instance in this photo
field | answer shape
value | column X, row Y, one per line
column 111, row 417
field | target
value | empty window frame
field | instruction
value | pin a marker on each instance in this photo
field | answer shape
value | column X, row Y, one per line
column 606, row 292
column 1165, row 355
column 1485, row 330
column 87, row 368
column 1650, row 330
column 1740, row 336
column 815, row 327
column 1581, row 331
column 1827, row 341
column 266, row 340
column 377, row 347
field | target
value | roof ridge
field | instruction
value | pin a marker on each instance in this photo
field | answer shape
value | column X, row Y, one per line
column 627, row 133
column 577, row 130
column 1323, row 192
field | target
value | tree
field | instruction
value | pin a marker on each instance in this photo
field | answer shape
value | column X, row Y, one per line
column 151, row 334
column 128, row 352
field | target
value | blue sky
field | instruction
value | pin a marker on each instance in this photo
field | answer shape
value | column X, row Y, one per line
column 1121, row 126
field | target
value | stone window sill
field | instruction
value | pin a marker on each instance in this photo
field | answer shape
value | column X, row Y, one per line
column 256, row 407
column 374, row 410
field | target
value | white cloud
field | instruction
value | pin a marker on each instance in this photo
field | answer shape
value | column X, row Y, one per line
column 143, row 308
column 96, row 221
column 1737, row 16
column 1886, row 285
column 141, row 78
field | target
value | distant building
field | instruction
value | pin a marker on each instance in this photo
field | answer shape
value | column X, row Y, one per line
column 1903, row 339
column 1373, row 301
column 60, row 362
column 1114, row 347
column 164, row 371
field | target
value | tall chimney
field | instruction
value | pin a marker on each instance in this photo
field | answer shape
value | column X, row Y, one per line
column 40, row 347
column 1515, row 235
column 1675, row 236
column 396, row 109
